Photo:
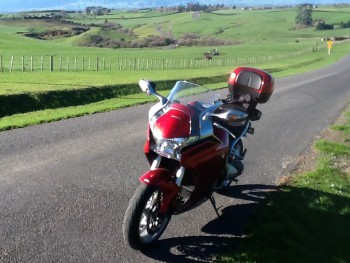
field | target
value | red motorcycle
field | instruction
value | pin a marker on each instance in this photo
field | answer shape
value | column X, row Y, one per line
column 194, row 148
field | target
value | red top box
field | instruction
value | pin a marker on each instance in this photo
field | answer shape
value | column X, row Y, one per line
column 257, row 83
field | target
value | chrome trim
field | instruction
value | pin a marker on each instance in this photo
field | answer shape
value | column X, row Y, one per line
column 225, row 129
column 205, row 121
column 156, row 163
column 247, row 126
column 179, row 175
column 236, row 139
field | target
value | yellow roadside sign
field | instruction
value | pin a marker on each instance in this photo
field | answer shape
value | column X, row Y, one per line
column 330, row 43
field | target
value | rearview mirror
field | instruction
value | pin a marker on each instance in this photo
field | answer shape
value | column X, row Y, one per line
column 148, row 87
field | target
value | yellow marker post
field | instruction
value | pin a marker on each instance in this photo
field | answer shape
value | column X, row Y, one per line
column 329, row 44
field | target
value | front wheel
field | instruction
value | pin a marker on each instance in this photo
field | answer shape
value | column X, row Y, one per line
column 143, row 224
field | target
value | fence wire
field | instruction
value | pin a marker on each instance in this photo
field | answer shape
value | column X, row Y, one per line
column 80, row 64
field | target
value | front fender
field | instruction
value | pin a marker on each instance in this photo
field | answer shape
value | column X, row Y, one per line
column 164, row 180
column 156, row 177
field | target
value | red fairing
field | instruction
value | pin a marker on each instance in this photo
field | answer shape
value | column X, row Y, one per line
column 178, row 116
column 162, row 178
column 205, row 161
column 146, row 147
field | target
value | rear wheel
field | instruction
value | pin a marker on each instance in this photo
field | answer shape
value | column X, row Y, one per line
column 143, row 224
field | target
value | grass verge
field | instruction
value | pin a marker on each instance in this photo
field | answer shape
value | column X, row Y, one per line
column 308, row 218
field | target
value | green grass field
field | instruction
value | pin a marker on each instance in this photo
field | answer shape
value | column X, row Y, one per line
column 268, row 41
column 263, row 32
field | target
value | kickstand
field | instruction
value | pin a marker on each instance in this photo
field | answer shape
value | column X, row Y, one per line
column 212, row 201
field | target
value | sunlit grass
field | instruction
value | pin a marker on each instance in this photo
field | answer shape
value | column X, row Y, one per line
column 308, row 219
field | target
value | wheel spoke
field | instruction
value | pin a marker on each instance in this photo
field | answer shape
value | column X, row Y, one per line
column 151, row 223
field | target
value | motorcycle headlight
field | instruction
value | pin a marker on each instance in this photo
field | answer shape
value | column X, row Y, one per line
column 169, row 148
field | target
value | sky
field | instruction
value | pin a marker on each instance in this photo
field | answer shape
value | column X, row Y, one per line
column 27, row 5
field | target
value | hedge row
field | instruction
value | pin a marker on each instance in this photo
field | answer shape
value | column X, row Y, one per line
column 28, row 102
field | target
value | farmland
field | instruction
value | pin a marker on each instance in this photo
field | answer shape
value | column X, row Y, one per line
column 258, row 34
column 272, row 30
column 31, row 67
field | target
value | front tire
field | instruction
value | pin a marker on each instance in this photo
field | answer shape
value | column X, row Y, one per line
column 143, row 224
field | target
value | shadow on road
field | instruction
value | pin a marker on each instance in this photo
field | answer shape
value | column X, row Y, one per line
column 220, row 234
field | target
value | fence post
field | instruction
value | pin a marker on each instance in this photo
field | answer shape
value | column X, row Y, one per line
column 83, row 63
column 97, row 63
column 75, row 63
column 22, row 63
column 60, row 63
column 51, row 63
column 42, row 63
column 31, row 64
column 11, row 64
column 2, row 69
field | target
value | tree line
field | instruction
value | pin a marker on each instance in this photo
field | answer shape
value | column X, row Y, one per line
column 189, row 7
column 304, row 18
column 97, row 10
column 195, row 7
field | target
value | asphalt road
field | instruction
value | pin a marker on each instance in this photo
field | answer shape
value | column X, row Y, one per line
column 64, row 186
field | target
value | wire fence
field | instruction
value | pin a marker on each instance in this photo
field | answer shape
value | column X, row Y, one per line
column 80, row 64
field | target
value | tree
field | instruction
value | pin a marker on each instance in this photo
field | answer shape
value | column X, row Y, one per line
column 323, row 26
column 304, row 15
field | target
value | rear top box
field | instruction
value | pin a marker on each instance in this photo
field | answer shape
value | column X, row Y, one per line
column 257, row 83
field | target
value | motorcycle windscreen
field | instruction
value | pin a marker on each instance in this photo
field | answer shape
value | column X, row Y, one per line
column 173, row 124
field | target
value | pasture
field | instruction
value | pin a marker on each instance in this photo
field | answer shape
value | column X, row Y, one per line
column 263, row 35
column 260, row 32
column 33, row 68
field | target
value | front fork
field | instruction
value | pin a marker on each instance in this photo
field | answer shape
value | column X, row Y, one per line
column 166, row 180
